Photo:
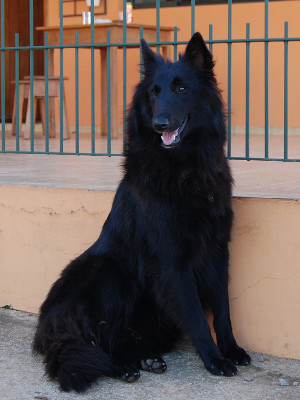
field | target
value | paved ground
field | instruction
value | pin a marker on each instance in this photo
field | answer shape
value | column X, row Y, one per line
column 22, row 376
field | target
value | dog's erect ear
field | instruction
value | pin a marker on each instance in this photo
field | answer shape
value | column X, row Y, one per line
column 150, row 59
column 198, row 54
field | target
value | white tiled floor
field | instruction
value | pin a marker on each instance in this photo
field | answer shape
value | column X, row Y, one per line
column 252, row 178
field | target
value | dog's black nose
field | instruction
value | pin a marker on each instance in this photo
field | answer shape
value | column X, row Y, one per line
column 161, row 124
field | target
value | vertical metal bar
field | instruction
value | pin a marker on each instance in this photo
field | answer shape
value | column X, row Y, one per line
column 31, row 99
column 247, row 89
column 108, row 95
column 141, row 55
column 17, row 94
column 77, row 91
column 175, row 43
column 124, row 73
column 61, row 78
column 229, row 76
column 46, row 94
column 286, row 83
column 3, row 74
column 266, row 79
column 92, row 79
column 210, row 38
column 193, row 2
column 157, row 25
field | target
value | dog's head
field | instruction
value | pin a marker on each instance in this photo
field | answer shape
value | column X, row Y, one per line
column 177, row 93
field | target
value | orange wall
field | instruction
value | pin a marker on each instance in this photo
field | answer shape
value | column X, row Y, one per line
column 253, row 13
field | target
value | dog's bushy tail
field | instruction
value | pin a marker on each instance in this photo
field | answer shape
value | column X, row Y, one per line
column 69, row 346
column 74, row 363
column 77, row 365
column 70, row 340
column 72, row 332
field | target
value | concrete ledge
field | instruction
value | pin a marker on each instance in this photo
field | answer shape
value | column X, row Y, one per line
column 42, row 229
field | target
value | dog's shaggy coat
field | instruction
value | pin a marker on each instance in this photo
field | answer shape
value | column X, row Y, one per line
column 162, row 257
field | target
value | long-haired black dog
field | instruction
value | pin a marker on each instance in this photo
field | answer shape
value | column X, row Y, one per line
column 162, row 257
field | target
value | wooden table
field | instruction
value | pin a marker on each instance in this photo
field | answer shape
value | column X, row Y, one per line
column 100, row 34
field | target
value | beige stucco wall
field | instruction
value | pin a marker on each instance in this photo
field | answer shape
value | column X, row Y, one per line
column 41, row 229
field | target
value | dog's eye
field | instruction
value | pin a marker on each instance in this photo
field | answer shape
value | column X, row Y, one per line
column 155, row 91
column 181, row 89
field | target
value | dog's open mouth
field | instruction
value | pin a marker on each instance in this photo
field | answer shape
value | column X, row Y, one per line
column 171, row 139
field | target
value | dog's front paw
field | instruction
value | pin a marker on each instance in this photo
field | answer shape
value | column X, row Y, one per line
column 238, row 356
column 221, row 366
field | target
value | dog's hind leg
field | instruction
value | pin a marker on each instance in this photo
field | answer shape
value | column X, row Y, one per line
column 135, row 352
column 156, row 365
column 150, row 333
column 130, row 374
column 159, row 334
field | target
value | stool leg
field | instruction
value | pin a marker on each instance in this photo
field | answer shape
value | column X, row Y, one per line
column 14, row 118
column 52, row 127
column 42, row 110
column 13, row 122
column 27, row 125
column 66, row 119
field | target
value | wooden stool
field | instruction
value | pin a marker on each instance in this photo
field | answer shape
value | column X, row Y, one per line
column 39, row 96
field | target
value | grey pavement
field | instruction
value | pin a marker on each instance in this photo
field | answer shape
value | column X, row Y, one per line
column 22, row 375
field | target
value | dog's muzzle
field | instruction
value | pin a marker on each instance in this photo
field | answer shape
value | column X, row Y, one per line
column 169, row 138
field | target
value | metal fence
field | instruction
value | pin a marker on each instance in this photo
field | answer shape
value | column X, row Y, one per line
column 13, row 144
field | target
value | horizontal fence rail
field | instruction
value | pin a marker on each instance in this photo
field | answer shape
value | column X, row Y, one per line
column 17, row 144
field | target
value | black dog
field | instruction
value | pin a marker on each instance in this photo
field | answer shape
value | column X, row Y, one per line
column 162, row 257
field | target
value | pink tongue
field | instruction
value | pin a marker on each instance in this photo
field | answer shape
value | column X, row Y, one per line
column 168, row 137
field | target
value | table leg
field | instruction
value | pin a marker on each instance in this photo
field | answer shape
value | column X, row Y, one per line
column 166, row 52
column 113, row 92
column 52, row 128
column 66, row 128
